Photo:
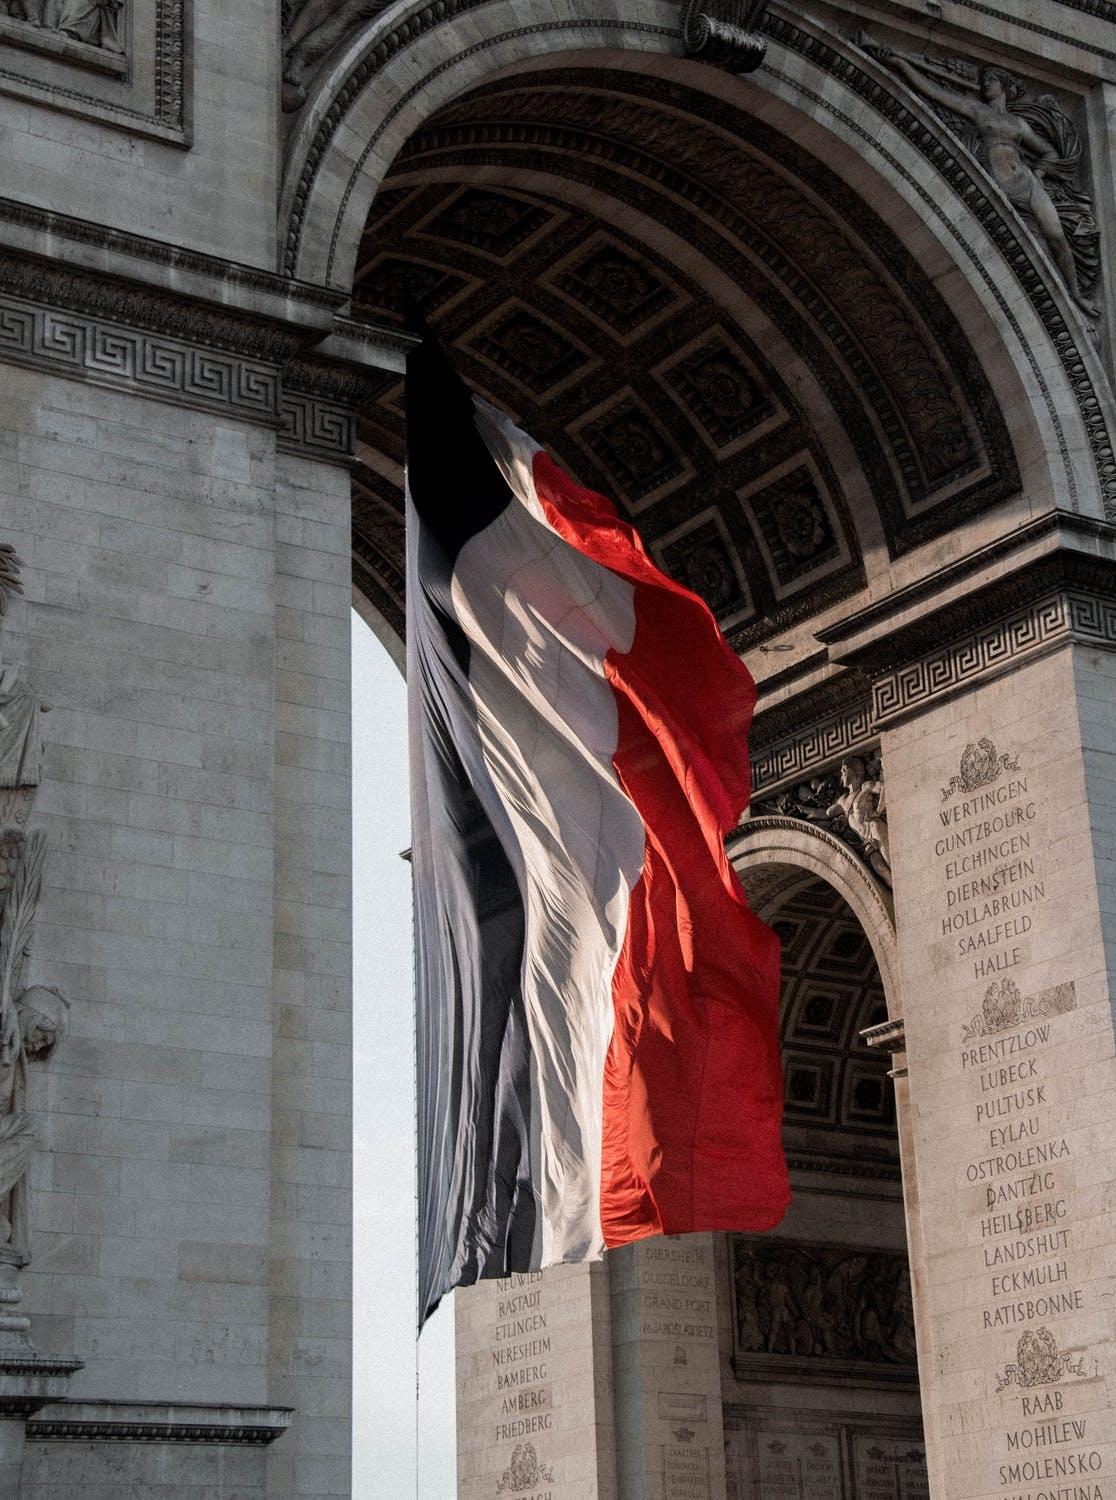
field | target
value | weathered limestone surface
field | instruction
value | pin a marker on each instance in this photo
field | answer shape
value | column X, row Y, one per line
column 1010, row 1049
column 535, row 1386
column 310, row 1316
column 930, row 579
column 186, row 615
column 208, row 184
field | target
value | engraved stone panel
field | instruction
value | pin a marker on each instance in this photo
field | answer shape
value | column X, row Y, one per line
column 809, row 1454
column 889, row 1470
column 667, row 1367
column 533, row 1383
column 1008, row 1027
column 799, row 1466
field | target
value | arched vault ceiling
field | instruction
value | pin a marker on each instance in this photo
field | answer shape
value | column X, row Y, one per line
column 838, row 1096
column 770, row 402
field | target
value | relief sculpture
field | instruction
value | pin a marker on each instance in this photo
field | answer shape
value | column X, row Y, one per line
column 851, row 804
column 1031, row 147
column 816, row 1303
column 98, row 23
column 32, row 1016
column 311, row 30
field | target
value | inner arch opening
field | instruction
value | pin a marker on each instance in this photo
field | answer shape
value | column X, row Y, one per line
column 819, row 1385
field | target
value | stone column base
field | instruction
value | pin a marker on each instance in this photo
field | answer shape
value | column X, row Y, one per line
column 28, row 1379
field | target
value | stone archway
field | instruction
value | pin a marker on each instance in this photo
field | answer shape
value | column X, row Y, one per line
column 800, row 337
column 393, row 75
column 844, row 384
column 820, row 1395
column 792, row 325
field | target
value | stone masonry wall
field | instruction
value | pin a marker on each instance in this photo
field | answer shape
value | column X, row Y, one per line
column 187, row 619
column 311, row 1228
column 995, row 811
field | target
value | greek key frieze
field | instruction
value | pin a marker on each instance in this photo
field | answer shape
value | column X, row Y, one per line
column 68, row 343
column 997, row 648
column 315, row 426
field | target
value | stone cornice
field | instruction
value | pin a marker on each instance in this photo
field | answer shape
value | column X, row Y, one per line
column 137, row 314
column 157, row 1422
column 1001, row 598
column 323, row 390
column 839, row 716
column 1049, row 602
column 960, row 583
column 78, row 247
column 1047, row 584
column 1104, row 10
column 1100, row 10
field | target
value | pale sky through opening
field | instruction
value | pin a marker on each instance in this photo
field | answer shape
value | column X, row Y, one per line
column 384, row 1429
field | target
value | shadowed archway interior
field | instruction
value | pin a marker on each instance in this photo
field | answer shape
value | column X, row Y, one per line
column 695, row 317
column 838, row 1099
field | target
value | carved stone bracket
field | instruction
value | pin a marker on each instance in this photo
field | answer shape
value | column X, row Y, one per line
column 724, row 33
column 891, row 1036
column 158, row 1422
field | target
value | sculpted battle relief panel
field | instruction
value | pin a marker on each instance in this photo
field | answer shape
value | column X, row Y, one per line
column 97, row 23
column 826, row 1312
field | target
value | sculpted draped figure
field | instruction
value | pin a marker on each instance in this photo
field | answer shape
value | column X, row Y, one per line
column 1032, row 149
column 32, row 1017
column 99, row 23
column 311, row 30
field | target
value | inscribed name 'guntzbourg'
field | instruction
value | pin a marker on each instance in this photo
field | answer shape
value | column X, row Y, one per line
column 598, row 1055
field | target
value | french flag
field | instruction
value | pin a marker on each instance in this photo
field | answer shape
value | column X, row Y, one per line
column 597, row 1007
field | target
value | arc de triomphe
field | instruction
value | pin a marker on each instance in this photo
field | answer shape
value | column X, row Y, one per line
column 822, row 294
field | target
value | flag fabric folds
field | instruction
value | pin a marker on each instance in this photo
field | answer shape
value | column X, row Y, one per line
column 597, row 1007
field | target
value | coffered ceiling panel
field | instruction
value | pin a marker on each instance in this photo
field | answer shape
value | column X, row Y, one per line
column 538, row 222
